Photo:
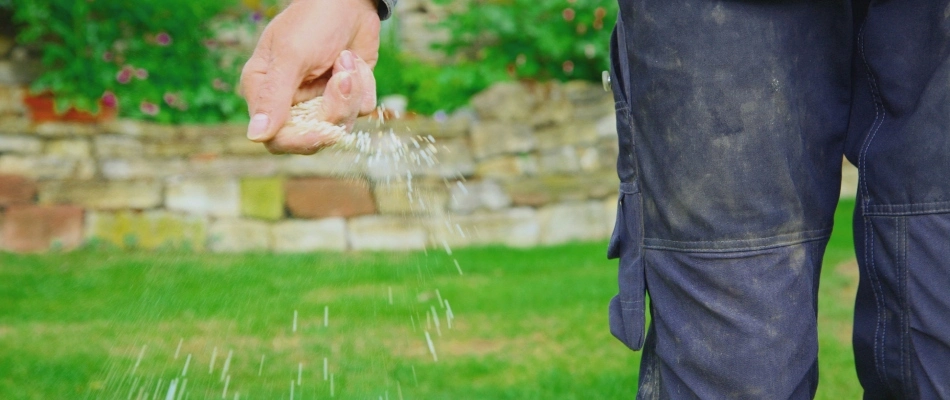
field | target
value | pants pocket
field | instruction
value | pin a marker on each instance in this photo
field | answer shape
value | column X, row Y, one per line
column 627, row 317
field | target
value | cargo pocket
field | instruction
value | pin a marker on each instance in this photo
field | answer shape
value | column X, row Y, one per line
column 627, row 317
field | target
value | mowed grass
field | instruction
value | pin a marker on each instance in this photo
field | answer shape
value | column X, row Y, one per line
column 529, row 324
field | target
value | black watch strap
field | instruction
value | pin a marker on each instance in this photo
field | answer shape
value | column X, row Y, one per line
column 385, row 8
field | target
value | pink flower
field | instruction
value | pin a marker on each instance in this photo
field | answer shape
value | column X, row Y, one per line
column 568, row 14
column 125, row 75
column 163, row 39
column 170, row 99
column 148, row 108
column 568, row 66
column 175, row 101
column 107, row 56
column 141, row 73
column 109, row 100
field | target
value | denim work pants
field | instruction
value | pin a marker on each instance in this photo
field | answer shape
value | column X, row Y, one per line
column 733, row 117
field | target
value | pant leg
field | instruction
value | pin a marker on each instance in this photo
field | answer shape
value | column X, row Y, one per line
column 900, row 140
column 732, row 117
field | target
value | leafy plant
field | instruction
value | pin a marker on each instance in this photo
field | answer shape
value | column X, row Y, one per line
column 154, row 59
column 532, row 39
column 429, row 87
column 499, row 40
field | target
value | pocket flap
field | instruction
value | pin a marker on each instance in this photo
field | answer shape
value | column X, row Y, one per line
column 626, row 311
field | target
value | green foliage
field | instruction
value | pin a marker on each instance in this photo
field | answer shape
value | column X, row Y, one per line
column 158, row 60
column 429, row 87
column 532, row 39
column 490, row 42
column 155, row 59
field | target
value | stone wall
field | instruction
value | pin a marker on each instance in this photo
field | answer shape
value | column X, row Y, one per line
column 416, row 26
column 525, row 165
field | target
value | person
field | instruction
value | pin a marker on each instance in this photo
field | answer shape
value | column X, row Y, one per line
column 732, row 118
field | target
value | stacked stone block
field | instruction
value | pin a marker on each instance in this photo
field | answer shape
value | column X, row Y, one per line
column 528, row 164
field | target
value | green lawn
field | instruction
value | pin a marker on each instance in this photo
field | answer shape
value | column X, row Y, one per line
column 529, row 324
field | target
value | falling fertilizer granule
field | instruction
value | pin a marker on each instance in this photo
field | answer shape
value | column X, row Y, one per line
column 403, row 163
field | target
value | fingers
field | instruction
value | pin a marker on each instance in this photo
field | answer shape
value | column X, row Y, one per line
column 280, row 73
column 344, row 94
column 350, row 92
column 313, row 88
column 339, row 109
column 269, row 90
column 301, row 140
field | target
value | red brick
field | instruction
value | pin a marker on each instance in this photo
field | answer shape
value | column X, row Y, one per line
column 322, row 198
column 30, row 228
column 15, row 189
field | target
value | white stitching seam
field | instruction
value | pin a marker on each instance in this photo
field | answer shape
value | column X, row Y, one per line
column 902, row 293
column 736, row 250
column 869, row 244
column 880, row 330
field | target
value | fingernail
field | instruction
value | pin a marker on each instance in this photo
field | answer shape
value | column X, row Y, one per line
column 348, row 62
column 258, row 126
column 346, row 86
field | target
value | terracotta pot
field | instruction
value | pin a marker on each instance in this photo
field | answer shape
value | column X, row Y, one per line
column 42, row 109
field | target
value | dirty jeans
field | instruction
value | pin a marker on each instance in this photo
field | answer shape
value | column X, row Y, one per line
column 733, row 117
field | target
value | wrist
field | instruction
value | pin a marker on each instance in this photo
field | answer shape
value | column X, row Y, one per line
column 385, row 8
column 351, row 7
column 374, row 4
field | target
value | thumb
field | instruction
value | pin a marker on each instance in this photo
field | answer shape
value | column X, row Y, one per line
column 269, row 90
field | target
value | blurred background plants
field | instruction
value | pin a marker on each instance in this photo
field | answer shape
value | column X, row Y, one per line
column 533, row 39
column 169, row 61
column 429, row 87
column 178, row 61
column 488, row 41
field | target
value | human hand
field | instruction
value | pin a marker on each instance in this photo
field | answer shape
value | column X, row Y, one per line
column 320, row 122
column 312, row 48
